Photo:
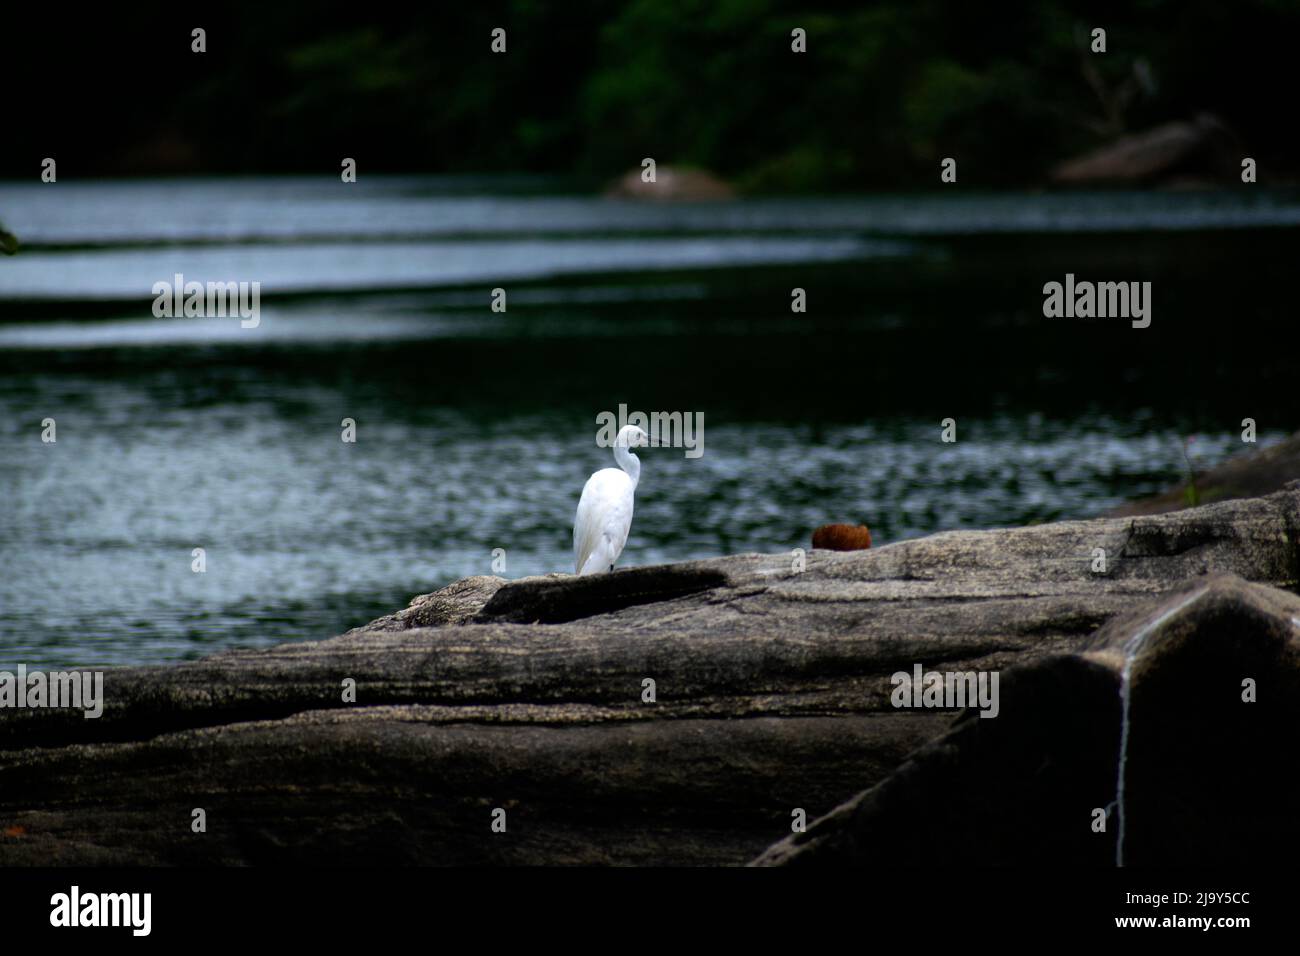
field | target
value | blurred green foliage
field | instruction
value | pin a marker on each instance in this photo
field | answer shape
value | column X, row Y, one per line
column 589, row 87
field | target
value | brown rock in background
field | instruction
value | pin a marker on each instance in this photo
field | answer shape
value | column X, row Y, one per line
column 1203, row 149
column 671, row 182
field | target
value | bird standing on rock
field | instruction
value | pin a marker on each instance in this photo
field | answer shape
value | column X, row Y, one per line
column 605, row 510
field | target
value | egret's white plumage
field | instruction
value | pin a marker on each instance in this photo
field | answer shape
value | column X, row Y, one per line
column 605, row 509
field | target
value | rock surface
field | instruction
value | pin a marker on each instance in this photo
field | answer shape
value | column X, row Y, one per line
column 1208, row 778
column 1247, row 475
column 771, row 694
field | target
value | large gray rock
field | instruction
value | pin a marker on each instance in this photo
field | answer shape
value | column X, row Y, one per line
column 772, row 687
column 1148, row 731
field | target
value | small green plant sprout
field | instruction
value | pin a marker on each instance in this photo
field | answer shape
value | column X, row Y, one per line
column 1192, row 495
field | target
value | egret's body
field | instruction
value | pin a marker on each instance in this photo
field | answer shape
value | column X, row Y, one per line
column 605, row 509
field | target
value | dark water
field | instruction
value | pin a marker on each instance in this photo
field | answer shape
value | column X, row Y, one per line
column 477, row 429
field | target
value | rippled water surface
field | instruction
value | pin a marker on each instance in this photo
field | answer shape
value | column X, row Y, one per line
column 476, row 429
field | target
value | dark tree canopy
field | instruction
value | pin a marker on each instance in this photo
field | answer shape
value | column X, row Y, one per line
column 587, row 88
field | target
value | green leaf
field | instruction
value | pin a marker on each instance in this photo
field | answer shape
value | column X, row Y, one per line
column 8, row 242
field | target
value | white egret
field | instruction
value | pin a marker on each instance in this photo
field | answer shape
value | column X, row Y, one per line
column 605, row 509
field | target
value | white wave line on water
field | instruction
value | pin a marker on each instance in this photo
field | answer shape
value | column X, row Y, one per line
column 1131, row 649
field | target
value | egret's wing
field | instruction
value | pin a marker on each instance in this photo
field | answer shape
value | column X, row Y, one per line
column 586, row 523
column 603, row 519
column 618, row 524
column 610, row 541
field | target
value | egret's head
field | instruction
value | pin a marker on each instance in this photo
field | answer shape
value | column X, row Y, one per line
column 632, row 436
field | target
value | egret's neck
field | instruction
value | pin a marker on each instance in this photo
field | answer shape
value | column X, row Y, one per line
column 629, row 462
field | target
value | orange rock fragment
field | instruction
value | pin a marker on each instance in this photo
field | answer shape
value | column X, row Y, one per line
column 842, row 537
